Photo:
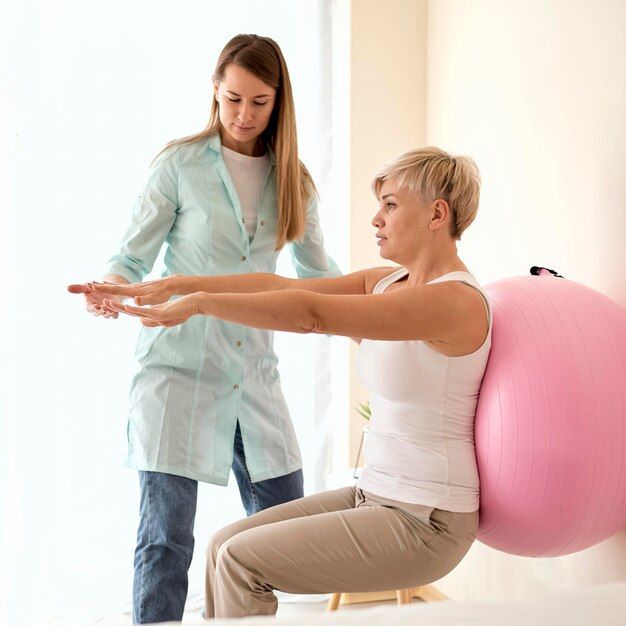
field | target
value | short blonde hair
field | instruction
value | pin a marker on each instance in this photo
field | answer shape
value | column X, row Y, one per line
column 432, row 173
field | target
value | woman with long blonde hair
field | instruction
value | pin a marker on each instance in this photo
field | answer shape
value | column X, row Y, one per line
column 207, row 397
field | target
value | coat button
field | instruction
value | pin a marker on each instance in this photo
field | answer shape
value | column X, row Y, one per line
column 262, row 222
column 235, row 386
column 238, row 344
column 243, row 258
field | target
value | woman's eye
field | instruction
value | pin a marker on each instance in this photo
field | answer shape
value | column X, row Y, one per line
column 390, row 205
column 235, row 100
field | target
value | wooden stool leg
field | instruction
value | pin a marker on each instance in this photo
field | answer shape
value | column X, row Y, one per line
column 404, row 596
column 428, row 593
column 333, row 603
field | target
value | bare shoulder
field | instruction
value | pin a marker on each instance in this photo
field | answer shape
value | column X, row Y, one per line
column 373, row 275
column 460, row 293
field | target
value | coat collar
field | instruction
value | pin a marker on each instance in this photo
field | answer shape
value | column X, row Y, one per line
column 215, row 144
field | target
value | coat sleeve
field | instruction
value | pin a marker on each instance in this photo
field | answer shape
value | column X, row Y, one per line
column 308, row 255
column 153, row 215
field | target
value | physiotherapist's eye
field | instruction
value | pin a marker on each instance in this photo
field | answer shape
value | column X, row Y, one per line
column 233, row 99
column 261, row 104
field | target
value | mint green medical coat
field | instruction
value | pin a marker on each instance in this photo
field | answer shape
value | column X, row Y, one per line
column 196, row 380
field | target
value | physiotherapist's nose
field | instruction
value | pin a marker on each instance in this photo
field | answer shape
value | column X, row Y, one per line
column 377, row 220
column 245, row 113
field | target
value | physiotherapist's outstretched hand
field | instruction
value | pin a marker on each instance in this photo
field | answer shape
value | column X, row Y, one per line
column 168, row 314
column 94, row 301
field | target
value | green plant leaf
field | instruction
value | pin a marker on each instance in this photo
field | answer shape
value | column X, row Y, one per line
column 363, row 409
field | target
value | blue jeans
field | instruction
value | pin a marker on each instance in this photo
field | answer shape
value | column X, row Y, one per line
column 165, row 537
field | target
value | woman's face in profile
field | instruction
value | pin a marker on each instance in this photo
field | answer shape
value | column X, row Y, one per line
column 401, row 219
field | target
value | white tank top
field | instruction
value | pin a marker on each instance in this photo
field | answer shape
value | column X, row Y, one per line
column 420, row 446
column 248, row 174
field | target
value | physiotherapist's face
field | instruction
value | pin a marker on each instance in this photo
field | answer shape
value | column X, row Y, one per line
column 245, row 107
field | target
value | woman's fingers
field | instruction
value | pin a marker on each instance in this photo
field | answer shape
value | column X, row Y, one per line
column 141, row 293
column 115, row 289
column 79, row 288
column 94, row 301
column 151, row 292
column 150, row 298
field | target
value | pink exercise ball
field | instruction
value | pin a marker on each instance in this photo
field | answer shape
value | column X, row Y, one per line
column 551, row 418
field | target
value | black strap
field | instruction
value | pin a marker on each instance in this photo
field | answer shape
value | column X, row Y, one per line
column 535, row 270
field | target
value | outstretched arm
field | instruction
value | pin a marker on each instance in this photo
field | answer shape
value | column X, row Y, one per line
column 161, row 290
column 449, row 313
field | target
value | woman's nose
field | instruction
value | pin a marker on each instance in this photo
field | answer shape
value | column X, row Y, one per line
column 245, row 112
column 377, row 220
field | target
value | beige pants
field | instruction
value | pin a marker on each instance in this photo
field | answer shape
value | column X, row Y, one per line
column 345, row 540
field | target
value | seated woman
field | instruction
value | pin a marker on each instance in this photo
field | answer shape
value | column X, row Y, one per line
column 425, row 332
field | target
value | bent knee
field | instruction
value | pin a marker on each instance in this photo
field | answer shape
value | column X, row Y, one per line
column 237, row 552
column 219, row 538
column 215, row 543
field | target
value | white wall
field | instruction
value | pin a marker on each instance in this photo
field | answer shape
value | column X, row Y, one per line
column 387, row 117
column 536, row 93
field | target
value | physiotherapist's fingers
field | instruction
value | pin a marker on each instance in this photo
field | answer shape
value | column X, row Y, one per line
column 95, row 308
column 129, row 309
column 99, row 307
column 114, row 305
column 101, row 311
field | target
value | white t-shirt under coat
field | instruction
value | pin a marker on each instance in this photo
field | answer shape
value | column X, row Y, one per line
column 248, row 174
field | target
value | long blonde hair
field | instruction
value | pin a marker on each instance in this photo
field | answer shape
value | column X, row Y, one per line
column 263, row 57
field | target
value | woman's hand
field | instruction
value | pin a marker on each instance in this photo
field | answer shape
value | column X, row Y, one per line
column 150, row 292
column 94, row 301
column 169, row 314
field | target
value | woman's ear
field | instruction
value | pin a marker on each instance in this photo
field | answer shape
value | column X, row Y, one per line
column 440, row 214
column 216, row 88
